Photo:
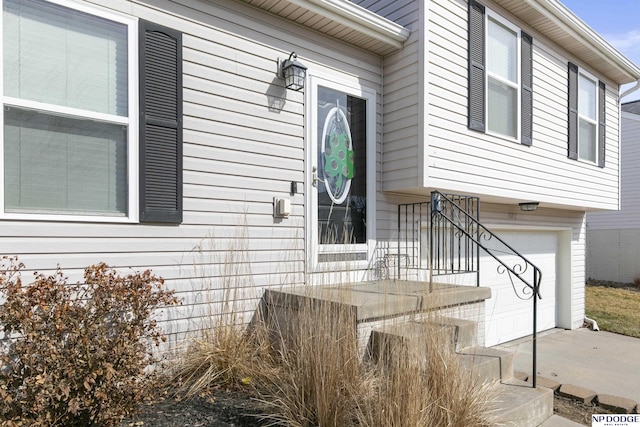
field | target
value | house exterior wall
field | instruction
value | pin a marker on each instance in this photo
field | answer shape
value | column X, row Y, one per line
column 456, row 159
column 243, row 145
column 245, row 142
column 427, row 145
column 404, row 83
column 613, row 238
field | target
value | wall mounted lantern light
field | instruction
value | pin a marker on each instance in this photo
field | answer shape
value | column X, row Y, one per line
column 293, row 72
column 528, row 206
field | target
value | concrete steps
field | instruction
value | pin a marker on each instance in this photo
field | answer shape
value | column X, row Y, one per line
column 387, row 314
column 516, row 403
column 487, row 363
column 458, row 333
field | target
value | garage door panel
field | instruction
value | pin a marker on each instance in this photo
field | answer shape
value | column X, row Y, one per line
column 508, row 316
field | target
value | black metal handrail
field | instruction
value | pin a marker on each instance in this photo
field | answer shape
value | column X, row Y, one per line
column 444, row 208
column 453, row 251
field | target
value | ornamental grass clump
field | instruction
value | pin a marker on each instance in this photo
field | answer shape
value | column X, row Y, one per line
column 421, row 383
column 77, row 354
column 318, row 380
column 223, row 352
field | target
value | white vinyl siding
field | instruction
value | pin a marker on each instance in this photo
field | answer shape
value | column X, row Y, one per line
column 244, row 144
column 403, row 113
column 462, row 161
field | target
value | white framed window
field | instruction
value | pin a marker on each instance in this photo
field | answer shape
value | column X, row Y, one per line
column 69, row 124
column 500, row 76
column 587, row 116
column 503, row 77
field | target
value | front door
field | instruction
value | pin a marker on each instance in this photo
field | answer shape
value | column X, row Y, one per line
column 342, row 183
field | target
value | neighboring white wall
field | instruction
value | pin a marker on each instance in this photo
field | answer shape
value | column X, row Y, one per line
column 628, row 216
column 613, row 238
column 613, row 255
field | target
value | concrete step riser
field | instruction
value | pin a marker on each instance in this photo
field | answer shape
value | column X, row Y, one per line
column 519, row 405
column 458, row 334
column 487, row 364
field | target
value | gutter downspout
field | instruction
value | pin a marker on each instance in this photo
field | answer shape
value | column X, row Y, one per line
column 631, row 89
column 592, row 322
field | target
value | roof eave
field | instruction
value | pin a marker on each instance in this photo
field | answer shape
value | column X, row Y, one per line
column 564, row 18
column 358, row 18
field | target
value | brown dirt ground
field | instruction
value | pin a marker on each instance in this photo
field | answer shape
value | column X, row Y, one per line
column 576, row 411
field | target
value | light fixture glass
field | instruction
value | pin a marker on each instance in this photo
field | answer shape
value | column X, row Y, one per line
column 528, row 206
column 293, row 72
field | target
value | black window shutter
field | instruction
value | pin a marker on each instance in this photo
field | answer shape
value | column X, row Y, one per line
column 160, row 123
column 572, row 151
column 476, row 67
column 602, row 125
column 526, row 112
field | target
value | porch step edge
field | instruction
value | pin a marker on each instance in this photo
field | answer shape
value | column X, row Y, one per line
column 520, row 405
column 487, row 363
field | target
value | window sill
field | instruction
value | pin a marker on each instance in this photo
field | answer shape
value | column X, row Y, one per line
column 503, row 137
column 67, row 218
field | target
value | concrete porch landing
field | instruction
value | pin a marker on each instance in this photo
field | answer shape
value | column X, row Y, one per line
column 383, row 299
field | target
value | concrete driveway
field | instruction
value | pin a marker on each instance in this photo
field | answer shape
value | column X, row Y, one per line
column 603, row 362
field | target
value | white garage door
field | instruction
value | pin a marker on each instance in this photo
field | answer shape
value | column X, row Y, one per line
column 507, row 316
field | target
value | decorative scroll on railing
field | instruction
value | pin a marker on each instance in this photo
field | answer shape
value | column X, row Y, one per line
column 460, row 222
column 448, row 229
column 447, row 212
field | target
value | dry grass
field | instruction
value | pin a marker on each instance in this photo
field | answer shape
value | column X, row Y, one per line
column 310, row 372
column 225, row 355
column 616, row 310
column 422, row 384
column 315, row 374
column 318, row 375
column 224, row 351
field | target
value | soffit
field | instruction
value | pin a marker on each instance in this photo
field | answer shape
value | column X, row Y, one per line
column 342, row 20
column 559, row 24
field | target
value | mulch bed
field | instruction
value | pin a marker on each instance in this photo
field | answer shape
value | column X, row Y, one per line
column 217, row 408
